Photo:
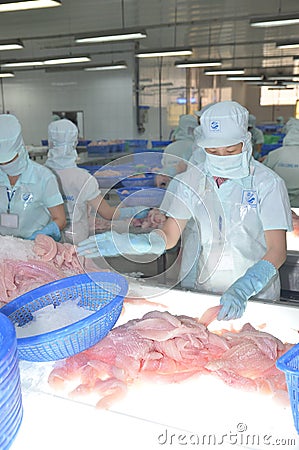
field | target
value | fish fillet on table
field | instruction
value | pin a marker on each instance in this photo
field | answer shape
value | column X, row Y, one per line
column 167, row 348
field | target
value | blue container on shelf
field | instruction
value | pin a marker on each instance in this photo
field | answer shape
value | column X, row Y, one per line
column 44, row 142
column 11, row 409
column 147, row 196
column 98, row 149
column 289, row 364
column 100, row 292
column 144, row 180
column 139, row 143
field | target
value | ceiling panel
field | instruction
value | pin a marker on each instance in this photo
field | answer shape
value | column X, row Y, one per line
column 213, row 28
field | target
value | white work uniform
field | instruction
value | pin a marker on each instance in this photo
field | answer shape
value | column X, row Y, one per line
column 285, row 162
column 240, row 211
column 78, row 187
column 35, row 191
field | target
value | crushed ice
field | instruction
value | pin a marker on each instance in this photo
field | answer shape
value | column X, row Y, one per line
column 53, row 317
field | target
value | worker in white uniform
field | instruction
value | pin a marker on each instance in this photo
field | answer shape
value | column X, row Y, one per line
column 241, row 207
column 30, row 200
column 257, row 137
column 179, row 151
column 79, row 188
column 285, row 161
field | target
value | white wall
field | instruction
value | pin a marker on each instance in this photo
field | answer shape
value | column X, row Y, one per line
column 106, row 99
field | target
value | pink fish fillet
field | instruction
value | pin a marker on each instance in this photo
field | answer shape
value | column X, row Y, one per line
column 164, row 347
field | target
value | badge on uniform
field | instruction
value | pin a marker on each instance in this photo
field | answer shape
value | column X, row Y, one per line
column 249, row 198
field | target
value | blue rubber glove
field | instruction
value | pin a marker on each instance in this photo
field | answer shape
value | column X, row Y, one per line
column 112, row 243
column 136, row 212
column 51, row 229
column 234, row 299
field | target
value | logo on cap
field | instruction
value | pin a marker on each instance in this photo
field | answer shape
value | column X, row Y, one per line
column 215, row 125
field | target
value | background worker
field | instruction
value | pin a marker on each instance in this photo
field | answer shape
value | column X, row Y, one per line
column 285, row 161
column 30, row 200
column 79, row 188
column 257, row 137
column 179, row 151
column 243, row 242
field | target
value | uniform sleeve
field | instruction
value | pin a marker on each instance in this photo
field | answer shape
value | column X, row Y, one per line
column 275, row 208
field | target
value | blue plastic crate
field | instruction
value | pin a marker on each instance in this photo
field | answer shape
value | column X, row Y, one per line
column 148, row 179
column 102, row 149
column 289, row 364
column 101, row 292
column 45, row 142
column 140, row 143
column 146, row 196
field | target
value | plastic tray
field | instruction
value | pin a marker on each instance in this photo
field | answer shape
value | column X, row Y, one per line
column 101, row 292
column 289, row 364
column 147, row 196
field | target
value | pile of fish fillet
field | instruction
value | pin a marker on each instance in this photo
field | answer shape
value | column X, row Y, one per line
column 164, row 347
column 26, row 265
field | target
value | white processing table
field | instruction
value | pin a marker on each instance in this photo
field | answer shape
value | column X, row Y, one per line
column 194, row 414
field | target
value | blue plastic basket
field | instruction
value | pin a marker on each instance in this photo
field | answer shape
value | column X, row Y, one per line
column 11, row 409
column 289, row 364
column 147, row 196
column 101, row 292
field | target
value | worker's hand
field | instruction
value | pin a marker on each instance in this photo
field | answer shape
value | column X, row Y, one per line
column 51, row 229
column 136, row 212
column 112, row 243
column 234, row 299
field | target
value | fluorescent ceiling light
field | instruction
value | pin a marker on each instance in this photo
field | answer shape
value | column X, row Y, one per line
column 207, row 63
column 11, row 45
column 116, row 66
column 22, row 64
column 225, row 72
column 275, row 21
column 67, row 60
column 6, row 74
column 112, row 36
column 50, row 62
column 287, row 44
column 246, row 78
column 164, row 52
column 18, row 5
column 282, row 77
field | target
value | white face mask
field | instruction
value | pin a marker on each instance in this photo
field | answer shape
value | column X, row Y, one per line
column 17, row 166
column 231, row 166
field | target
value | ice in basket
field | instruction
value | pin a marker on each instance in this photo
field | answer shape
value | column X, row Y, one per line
column 101, row 293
